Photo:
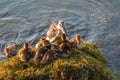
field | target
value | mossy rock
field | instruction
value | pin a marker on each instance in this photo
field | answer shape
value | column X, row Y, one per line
column 88, row 64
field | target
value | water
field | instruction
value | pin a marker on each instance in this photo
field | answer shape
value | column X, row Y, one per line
column 96, row 20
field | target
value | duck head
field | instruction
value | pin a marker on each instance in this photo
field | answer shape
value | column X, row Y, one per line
column 46, row 43
column 77, row 38
column 25, row 45
column 61, row 27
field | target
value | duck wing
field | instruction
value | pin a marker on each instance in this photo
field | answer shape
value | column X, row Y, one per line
column 51, row 31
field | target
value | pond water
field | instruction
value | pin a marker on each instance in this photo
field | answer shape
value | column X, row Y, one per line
column 96, row 20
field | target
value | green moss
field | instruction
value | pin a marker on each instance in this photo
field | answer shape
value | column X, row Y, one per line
column 88, row 64
column 93, row 50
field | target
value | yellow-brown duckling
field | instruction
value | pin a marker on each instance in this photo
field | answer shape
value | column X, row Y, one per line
column 40, row 42
column 10, row 50
column 56, row 40
column 65, row 46
column 25, row 53
column 39, row 53
column 44, row 46
column 47, row 56
column 77, row 42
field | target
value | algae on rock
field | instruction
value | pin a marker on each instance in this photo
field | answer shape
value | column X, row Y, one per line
column 88, row 64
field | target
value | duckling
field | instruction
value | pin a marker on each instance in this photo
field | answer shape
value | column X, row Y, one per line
column 65, row 46
column 25, row 53
column 56, row 40
column 39, row 44
column 39, row 53
column 48, row 55
column 51, row 52
column 77, row 41
column 45, row 45
column 10, row 50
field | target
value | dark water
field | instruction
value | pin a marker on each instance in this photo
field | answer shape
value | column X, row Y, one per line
column 95, row 20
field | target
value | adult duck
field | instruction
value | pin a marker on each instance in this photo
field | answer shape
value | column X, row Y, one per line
column 55, row 31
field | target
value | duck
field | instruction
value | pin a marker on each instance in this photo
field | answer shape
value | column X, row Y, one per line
column 77, row 42
column 10, row 50
column 55, row 31
column 65, row 46
column 39, row 53
column 25, row 53
column 61, row 28
column 51, row 31
column 48, row 52
column 45, row 45
column 39, row 43
column 49, row 55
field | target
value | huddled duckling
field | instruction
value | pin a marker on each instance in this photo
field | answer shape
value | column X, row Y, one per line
column 25, row 53
column 10, row 50
column 44, row 46
column 39, row 53
column 77, row 42
column 51, row 54
column 47, row 56
column 39, row 44
column 65, row 46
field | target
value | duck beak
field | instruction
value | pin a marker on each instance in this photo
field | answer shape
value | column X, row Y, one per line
column 61, row 27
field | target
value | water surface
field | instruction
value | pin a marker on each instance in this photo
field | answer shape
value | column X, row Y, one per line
column 96, row 20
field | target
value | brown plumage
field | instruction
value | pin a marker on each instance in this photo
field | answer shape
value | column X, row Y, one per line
column 44, row 46
column 65, row 45
column 77, row 41
column 40, row 43
column 10, row 50
column 25, row 53
column 47, row 56
column 39, row 53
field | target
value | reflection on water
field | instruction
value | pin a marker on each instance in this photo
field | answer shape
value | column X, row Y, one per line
column 95, row 20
